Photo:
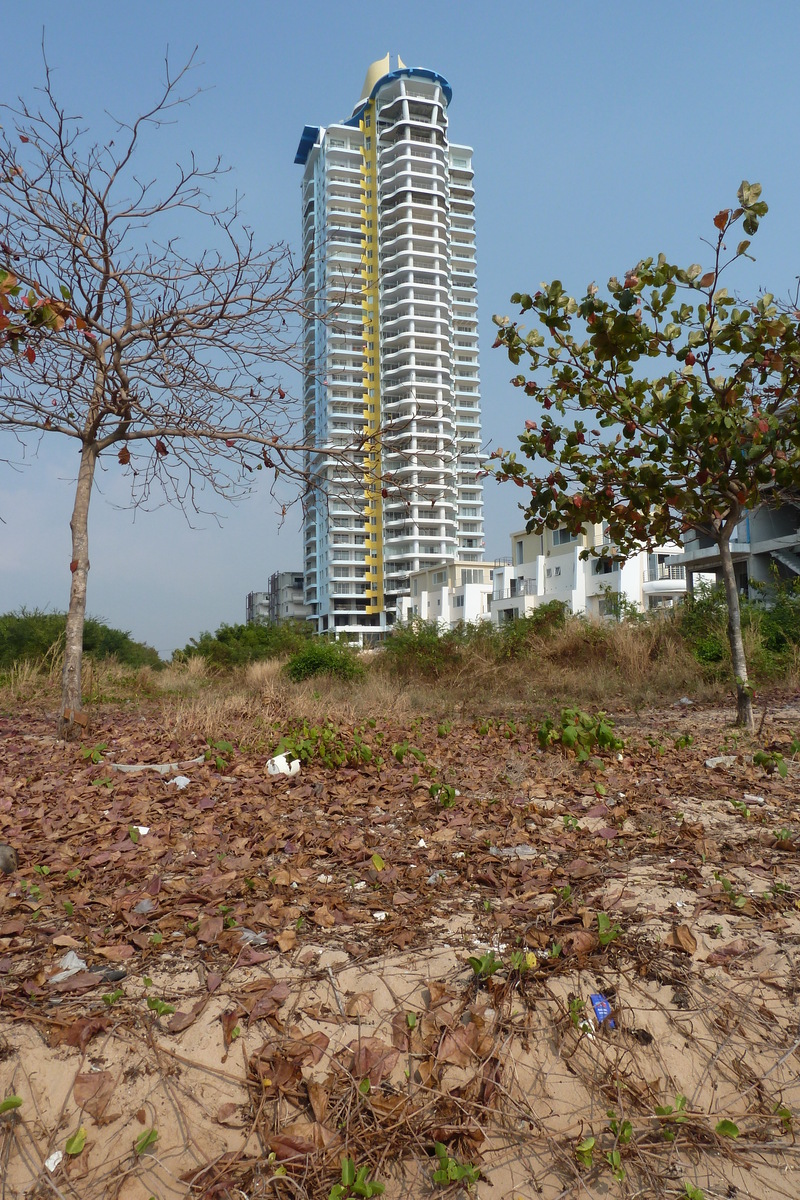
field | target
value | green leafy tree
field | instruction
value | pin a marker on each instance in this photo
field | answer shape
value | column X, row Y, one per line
column 708, row 430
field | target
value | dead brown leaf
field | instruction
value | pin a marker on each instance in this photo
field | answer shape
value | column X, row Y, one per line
column 92, row 1091
column 372, row 1059
column 680, row 937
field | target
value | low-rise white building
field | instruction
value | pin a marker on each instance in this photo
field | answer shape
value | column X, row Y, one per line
column 548, row 566
column 765, row 543
column 449, row 593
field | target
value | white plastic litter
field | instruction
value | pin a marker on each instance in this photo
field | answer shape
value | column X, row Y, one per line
column 721, row 760
column 280, row 765
column 143, row 829
column 70, row 965
column 380, row 916
column 180, row 782
column 251, row 938
column 54, row 1160
column 324, row 879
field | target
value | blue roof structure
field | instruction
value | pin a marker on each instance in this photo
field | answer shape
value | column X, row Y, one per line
column 311, row 132
column 307, row 140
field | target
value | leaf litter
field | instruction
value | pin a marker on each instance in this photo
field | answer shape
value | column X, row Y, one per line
column 276, row 976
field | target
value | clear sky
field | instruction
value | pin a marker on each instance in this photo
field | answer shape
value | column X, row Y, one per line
column 602, row 133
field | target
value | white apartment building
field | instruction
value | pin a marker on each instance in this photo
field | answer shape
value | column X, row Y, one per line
column 450, row 593
column 390, row 350
column 547, row 566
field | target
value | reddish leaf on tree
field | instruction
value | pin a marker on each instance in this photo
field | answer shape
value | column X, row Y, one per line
column 124, row 456
column 30, row 354
column 161, row 449
column 721, row 219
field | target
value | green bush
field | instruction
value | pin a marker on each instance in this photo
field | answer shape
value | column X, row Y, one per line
column 770, row 624
column 237, row 645
column 420, row 648
column 34, row 635
column 324, row 658
column 776, row 606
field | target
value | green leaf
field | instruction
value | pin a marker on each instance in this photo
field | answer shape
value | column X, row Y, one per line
column 133, row 833
column 76, row 1143
column 10, row 1102
column 145, row 1141
column 348, row 1172
column 727, row 1129
column 378, row 862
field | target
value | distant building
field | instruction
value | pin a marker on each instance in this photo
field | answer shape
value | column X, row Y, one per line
column 392, row 372
column 283, row 601
column 764, row 543
column 257, row 608
column 449, row 593
column 547, row 566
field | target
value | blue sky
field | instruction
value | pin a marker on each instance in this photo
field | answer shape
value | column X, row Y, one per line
column 602, row 133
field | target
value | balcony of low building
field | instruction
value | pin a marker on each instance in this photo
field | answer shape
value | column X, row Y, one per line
column 665, row 579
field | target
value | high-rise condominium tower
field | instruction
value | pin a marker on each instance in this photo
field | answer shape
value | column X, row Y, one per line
column 390, row 350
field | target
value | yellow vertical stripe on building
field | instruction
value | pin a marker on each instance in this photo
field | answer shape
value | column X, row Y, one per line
column 371, row 369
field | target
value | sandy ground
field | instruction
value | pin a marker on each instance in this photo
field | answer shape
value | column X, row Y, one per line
column 348, row 1021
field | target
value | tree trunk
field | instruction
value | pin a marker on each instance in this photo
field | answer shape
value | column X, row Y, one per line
column 744, row 699
column 72, row 719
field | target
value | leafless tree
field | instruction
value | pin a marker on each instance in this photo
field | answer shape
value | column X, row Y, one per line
column 165, row 362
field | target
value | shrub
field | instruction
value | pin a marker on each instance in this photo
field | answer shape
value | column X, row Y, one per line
column 237, row 645
column 420, row 648
column 324, row 658
column 34, row 635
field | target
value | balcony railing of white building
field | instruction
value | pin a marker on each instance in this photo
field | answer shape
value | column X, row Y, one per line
column 664, row 573
column 521, row 587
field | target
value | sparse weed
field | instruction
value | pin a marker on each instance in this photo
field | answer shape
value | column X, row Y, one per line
column 737, row 899
column 355, row 1181
column 445, row 793
column 485, row 965
column 584, row 1151
column 94, row 754
column 451, row 1171
column 579, row 733
column 220, row 752
column 772, row 761
column 327, row 744
column 607, row 931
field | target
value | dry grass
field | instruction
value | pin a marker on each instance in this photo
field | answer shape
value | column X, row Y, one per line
column 595, row 665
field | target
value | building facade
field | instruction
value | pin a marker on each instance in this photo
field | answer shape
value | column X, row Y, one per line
column 450, row 593
column 765, row 546
column 391, row 391
column 283, row 600
column 257, row 608
column 548, row 566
